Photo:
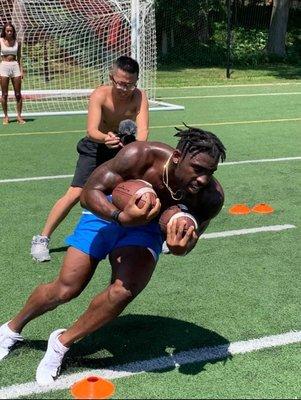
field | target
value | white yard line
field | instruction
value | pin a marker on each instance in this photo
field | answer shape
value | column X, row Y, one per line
column 263, row 160
column 35, row 178
column 215, row 96
column 247, row 231
column 43, row 178
column 202, row 354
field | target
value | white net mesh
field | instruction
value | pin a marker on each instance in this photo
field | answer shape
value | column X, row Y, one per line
column 68, row 47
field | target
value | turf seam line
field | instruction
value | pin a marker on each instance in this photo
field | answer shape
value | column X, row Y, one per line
column 219, row 352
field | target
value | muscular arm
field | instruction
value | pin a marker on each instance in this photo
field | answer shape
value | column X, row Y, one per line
column 101, row 182
column 127, row 164
column 142, row 119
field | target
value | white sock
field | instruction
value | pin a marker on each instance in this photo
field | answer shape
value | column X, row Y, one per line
column 9, row 331
column 58, row 346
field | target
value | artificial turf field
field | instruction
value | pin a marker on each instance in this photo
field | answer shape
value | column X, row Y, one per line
column 240, row 285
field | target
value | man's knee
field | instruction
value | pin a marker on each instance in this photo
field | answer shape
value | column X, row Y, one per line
column 118, row 293
column 65, row 293
column 4, row 96
column 18, row 96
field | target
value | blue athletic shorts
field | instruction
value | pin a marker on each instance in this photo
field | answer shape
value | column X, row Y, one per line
column 98, row 237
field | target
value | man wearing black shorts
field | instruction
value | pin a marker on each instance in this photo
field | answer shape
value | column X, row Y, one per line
column 109, row 105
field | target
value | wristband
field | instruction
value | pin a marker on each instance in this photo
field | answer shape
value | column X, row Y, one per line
column 115, row 216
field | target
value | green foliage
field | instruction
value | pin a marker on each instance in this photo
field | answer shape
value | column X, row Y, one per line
column 248, row 47
column 195, row 34
column 293, row 42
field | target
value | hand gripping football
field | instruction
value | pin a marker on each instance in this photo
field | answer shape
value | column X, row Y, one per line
column 174, row 212
column 125, row 190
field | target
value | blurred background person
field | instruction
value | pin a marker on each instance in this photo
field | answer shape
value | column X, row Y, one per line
column 10, row 68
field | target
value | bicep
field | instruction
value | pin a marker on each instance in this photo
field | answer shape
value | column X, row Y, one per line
column 94, row 112
column 103, row 179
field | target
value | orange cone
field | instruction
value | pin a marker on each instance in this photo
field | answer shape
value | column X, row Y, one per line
column 93, row 387
column 262, row 208
column 239, row 209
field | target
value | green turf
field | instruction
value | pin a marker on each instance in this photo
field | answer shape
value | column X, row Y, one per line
column 226, row 290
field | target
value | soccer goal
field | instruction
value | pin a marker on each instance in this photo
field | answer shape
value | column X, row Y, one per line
column 69, row 46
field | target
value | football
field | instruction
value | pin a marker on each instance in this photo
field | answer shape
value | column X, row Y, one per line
column 125, row 190
column 174, row 212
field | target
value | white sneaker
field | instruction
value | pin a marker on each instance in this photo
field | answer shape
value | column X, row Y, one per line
column 49, row 368
column 7, row 339
column 165, row 249
column 39, row 248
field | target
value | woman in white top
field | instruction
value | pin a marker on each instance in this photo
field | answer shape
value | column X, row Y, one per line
column 10, row 68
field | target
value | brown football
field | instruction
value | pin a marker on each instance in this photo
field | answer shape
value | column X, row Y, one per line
column 125, row 190
column 177, row 211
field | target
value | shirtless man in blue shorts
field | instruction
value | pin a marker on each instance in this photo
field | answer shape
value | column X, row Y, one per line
column 131, row 238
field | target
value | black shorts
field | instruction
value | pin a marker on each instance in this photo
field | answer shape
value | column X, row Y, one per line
column 91, row 155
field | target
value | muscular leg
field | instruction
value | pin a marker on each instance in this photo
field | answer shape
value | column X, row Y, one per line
column 4, row 96
column 61, row 209
column 17, row 88
column 77, row 270
column 132, row 268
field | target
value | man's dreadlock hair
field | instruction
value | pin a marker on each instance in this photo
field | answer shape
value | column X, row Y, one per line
column 194, row 141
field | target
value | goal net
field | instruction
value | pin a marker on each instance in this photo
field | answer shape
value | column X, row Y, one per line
column 69, row 46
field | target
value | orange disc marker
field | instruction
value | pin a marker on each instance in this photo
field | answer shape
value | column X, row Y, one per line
column 239, row 209
column 93, row 387
column 262, row 208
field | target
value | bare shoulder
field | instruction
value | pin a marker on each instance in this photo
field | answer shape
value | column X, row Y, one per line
column 131, row 162
column 101, row 92
column 140, row 96
column 141, row 151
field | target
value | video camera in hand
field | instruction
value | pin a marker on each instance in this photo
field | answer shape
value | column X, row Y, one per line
column 127, row 131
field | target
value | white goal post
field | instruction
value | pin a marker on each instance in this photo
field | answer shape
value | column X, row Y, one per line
column 69, row 46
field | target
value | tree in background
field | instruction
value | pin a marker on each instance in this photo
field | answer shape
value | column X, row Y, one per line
column 278, row 28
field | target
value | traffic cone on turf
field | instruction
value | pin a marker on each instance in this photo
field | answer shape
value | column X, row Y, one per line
column 262, row 208
column 93, row 387
column 239, row 209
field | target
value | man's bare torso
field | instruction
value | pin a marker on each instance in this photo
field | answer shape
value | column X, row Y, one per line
column 114, row 110
column 146, row 160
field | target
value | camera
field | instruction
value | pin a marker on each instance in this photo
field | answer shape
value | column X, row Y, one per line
column 127, row 131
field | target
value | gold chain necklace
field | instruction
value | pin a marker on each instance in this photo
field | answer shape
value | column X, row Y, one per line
column 165, row 181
